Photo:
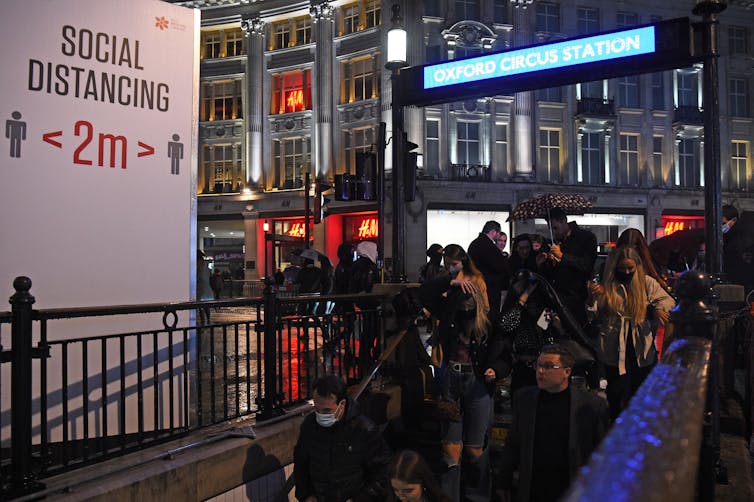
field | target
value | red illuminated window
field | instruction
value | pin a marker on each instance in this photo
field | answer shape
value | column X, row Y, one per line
column 362, row 228
column 677, row 223
column 291, row 92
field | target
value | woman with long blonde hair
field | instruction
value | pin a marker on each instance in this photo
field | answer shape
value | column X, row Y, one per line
column 472, row 361
column 630, row 305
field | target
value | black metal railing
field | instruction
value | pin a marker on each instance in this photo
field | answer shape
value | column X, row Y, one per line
column 596, row 107
column 81, row 399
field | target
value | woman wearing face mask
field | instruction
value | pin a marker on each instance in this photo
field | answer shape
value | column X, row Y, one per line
column 472, row 362
column 628, row 303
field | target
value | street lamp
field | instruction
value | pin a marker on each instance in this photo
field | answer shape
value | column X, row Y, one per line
column 396, row 59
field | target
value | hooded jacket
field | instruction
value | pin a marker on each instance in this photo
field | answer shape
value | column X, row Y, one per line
column 346, row 461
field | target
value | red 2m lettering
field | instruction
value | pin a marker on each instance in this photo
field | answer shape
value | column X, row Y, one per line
column 106, row 142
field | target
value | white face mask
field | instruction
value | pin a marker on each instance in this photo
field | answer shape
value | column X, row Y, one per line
column 327, row 419
column 726, row 227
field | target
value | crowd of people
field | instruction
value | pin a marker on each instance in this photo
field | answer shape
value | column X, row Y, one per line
column 576, row 343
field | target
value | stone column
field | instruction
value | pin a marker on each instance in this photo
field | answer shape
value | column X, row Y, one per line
column 254, row 249
column 254, row 29
column 523, row 103
column 323, row 23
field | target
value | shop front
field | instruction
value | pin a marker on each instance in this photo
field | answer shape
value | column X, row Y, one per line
column 607, row 227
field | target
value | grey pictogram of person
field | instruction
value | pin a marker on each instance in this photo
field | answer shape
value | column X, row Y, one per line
column 175, row 154
column 15, row 130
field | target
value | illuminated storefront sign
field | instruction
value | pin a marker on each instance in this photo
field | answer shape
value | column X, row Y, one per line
column 568, row 53
column 675, row 223
column 296, row 229
column 361, row 227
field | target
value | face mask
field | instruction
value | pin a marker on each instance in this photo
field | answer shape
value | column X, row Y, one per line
column 726, row 227
column 623, row 277
column 326, row 419
column 455, row 270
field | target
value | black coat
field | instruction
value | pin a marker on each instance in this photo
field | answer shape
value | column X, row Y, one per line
column 493, row 266
column 494, row 352
column 587, row 425
column 346, row 461
column 569, row 277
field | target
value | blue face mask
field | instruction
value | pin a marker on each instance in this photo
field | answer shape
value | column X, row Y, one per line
column 455, row 270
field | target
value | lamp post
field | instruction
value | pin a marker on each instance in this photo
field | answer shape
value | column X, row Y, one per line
column 396, row 59
column 709, row 9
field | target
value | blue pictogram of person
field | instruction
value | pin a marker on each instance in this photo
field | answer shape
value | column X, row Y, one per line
column 15, row 130
column 175, row 154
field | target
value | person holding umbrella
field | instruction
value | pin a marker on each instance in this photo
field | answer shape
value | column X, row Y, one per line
column 569, row 263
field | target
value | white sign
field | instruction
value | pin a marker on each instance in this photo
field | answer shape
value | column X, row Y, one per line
column 98, row 107
column 99, row 102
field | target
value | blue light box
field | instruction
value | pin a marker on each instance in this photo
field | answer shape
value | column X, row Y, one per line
column 616, row 45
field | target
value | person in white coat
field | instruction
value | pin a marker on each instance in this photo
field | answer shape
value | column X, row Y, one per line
column 630, row 306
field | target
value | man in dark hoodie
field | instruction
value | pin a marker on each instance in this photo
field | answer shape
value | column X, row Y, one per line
column 340, row 455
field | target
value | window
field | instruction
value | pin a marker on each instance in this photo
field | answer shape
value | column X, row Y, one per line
column 739, row 97
column 552, row 94
column 358, row 140
column 221, row 100
column 432, row 150
column 461, row 51
column 592, row 90
column 467, row 144
column 587, row 20
column 591, row 171
column 628, row 91
column 467, row 9
column 629, row 159
column 739, row 163
column 212, row 45
column 372, row 14
column 223, row 168
column 350, row 18
column 291, row 157
column 658, row 91
column 688, row 92
column 303, row 31
column 291, row 92
column 499, row 11
column 688, row 168
column 501, row 147
column 549, row 154
column 738, row 40
column 361, row 79
column 548, row 17
column 627, row 19
column 281, row 35
column 657, row 161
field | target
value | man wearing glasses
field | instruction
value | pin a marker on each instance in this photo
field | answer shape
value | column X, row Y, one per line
column 555, row 428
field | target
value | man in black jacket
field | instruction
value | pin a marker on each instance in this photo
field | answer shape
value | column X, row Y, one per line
column 554, row 431
column 491, row 263
column 569, row 263
column 340, row 455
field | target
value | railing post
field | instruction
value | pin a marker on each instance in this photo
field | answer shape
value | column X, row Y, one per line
column 695, row 315
column 21, row 356
column 269, row 405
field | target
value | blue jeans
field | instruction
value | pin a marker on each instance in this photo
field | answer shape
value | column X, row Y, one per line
column 472, row 478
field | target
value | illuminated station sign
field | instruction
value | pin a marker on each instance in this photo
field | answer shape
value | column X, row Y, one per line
column 642, row 49
column 570, row 53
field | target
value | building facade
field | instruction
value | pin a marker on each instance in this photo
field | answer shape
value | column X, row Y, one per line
column 296, row 87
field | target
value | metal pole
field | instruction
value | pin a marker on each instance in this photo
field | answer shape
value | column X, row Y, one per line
column 307, row 216
column 709, row 9
column 399, row 217
column 381, row 201
column 21, row 355
column 269, row 405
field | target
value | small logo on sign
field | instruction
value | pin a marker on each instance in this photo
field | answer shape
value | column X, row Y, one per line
column 161, row 23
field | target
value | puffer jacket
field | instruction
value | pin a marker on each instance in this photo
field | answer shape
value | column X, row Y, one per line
column 346, row 461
